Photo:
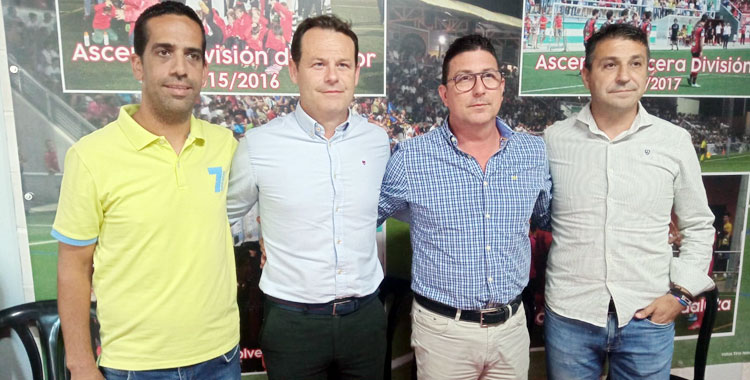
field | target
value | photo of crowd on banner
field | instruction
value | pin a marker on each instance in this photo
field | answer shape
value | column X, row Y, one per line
column 247, row 41
column 257, row 25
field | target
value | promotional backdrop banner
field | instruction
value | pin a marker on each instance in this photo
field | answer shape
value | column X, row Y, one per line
column 247, row 44
column 54, row 109
column 717, row 49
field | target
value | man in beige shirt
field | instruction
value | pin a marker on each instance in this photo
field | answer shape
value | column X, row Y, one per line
column 613, row 286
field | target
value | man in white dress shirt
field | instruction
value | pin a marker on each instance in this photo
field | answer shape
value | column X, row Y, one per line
column 316, row 176
column 613, row 286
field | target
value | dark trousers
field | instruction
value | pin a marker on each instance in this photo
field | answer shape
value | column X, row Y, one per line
column 301, row 346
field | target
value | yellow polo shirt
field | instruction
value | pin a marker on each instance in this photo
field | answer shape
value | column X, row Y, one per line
column 164, row 273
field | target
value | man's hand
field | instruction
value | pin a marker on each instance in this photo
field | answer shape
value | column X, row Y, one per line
column 86, row 373
column 262, row 248
column 675, row 237
column 663, row 310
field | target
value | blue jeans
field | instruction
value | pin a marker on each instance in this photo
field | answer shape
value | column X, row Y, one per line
column 222, row 367
column 577, row 350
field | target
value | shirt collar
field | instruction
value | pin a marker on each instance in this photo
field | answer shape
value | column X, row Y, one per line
column 505, row 133
column 139, row 137
column 311, row 127
column 642, row 119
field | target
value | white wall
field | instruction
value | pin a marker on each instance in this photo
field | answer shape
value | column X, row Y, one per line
column 15, row 285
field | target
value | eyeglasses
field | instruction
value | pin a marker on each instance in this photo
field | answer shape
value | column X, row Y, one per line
column 465, row 82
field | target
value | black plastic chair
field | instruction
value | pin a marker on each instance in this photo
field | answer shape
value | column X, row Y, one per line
column 44, row 316
column 704, row 336
column 396, row 295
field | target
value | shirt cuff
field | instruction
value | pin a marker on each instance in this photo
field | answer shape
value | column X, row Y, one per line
column 75, row 242
column 690, row 278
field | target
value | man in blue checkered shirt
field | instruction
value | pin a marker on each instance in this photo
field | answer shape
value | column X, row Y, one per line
column 470, row 188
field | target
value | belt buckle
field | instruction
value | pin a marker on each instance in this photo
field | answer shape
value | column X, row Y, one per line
column 335, row 304
column 482, row 312
column 502, row 308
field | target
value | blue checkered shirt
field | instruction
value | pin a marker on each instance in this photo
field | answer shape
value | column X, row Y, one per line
column 469, row 229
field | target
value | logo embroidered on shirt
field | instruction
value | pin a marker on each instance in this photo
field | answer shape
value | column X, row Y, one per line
column 514, row 178
column 364, row 162
column 647, row 151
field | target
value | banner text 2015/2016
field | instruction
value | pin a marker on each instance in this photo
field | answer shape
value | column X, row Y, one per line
column 241, row 80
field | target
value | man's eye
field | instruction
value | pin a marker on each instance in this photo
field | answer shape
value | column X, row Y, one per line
column 489, row 75
column 464, row 78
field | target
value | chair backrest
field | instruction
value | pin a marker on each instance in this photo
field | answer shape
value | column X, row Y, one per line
column 44, row 316
column 704, row 335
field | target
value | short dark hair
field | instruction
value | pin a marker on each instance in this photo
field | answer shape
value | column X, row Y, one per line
column 328, row 22
column 463, row 44
column 622, row 31
column 647, row 15
column 595, row 12
column 610, row 14
column 624, row 13
column 140, row 32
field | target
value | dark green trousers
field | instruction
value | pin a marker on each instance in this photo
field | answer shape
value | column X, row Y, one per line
column 300, row 346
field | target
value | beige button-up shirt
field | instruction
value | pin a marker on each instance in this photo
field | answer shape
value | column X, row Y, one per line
column 611, row 209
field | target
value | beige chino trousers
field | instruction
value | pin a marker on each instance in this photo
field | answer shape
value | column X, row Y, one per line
column 450, row 349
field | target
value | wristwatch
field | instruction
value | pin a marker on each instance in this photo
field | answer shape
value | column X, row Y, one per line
column 681, row 296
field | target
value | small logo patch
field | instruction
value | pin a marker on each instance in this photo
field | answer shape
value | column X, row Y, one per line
column 647, row 151
column 219, row 173
column 364, row 162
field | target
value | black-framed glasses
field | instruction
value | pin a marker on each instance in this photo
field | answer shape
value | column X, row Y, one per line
column 465, row 82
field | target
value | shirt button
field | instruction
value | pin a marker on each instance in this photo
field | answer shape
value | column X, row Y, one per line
column 487, row 216
column 338, row 209
column 338, row 241
column 488, row 248
column 340, row 271
column 489, row 279
column 485, row 183
column 317, row 129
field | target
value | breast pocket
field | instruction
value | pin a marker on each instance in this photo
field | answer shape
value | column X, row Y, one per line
column 518, row 189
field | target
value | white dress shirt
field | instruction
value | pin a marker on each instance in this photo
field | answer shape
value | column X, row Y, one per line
column 611, row 208
column 318, row 204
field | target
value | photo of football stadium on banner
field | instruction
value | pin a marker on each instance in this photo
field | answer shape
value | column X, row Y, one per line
column 247, row 43
column 698, row 48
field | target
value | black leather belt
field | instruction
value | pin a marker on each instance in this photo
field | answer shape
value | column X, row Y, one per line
column 341, row 306
column 485, row 317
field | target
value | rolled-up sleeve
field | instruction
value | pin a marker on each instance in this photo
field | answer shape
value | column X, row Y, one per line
column 695, row 221
column 394, row 190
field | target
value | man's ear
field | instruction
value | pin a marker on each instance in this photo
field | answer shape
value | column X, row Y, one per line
column 293, row 71
column 443, row 92
column 585, row 73
column 136, row 63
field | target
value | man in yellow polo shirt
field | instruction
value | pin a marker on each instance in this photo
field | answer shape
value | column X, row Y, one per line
column 144, row 200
